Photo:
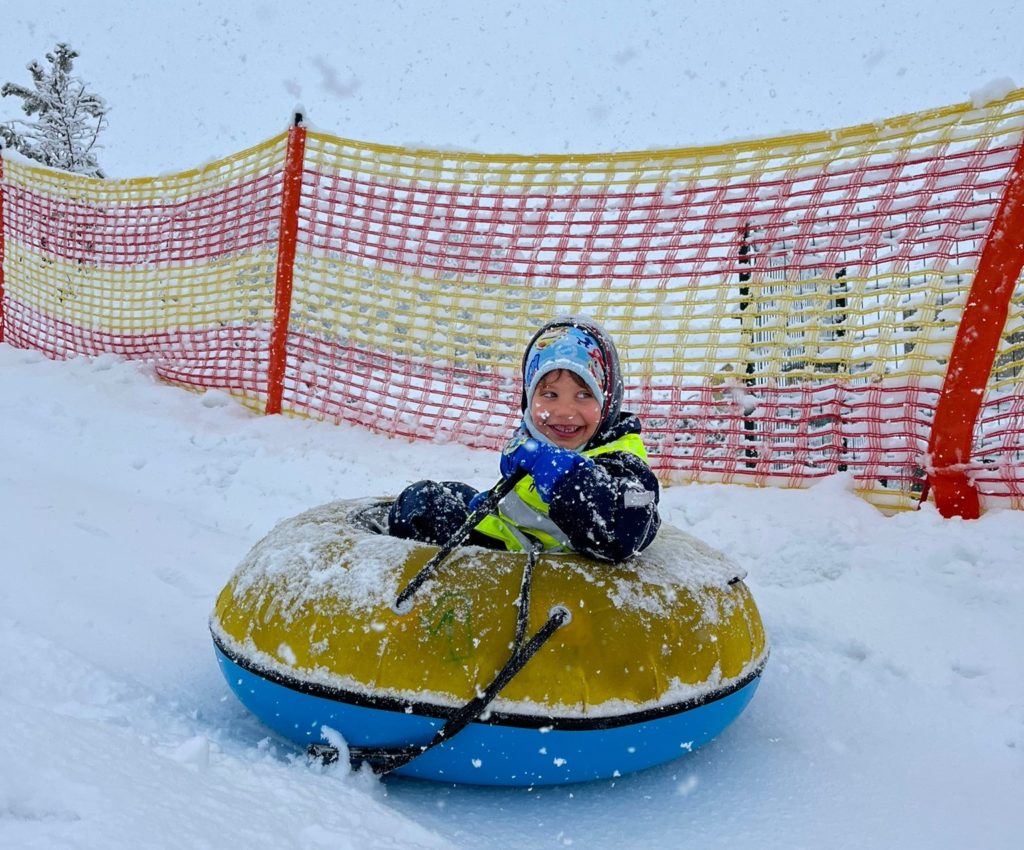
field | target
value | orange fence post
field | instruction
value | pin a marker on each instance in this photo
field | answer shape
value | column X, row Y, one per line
column 974, row 352
column 286, row 242
column 2, row 241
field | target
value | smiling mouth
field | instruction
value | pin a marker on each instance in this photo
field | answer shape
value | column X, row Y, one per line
column 565, row 430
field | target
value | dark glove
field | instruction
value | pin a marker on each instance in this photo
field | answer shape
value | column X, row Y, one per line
column 478, row 500
column 546, row 463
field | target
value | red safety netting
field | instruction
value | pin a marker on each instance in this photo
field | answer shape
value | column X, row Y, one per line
column 785, row 309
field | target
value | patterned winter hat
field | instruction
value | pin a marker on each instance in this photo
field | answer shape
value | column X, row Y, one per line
column 583, row 348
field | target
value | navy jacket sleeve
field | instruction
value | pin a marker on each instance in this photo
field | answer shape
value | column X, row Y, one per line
column 608, row 510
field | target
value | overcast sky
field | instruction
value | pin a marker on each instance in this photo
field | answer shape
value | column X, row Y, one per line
column 199, row 79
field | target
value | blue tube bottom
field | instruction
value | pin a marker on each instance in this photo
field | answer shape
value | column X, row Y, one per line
column 489, row 753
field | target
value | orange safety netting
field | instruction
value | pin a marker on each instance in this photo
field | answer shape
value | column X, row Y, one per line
column 785, row 308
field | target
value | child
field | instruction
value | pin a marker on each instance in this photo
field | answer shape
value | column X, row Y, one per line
column 587, row 487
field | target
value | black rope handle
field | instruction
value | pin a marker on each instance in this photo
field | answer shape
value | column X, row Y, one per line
column 523, row 601
column 403, row 602
column 386, row 759
column 383, row 760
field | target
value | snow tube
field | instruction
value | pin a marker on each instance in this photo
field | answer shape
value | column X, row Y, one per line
column 661, row 652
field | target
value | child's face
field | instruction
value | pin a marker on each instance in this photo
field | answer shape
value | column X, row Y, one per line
column 565, row 412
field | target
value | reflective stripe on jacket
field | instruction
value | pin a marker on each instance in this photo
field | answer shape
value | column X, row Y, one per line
column 522, row 515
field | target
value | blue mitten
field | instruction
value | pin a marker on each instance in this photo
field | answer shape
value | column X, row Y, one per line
column 546, row 463
column 478, row 500
column 508, row 463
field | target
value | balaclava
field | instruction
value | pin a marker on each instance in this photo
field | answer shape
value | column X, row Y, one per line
column 583, row 348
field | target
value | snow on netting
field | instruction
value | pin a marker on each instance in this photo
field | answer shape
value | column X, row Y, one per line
column 785, row 308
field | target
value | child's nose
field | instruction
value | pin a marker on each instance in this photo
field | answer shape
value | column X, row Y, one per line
column 565, row 409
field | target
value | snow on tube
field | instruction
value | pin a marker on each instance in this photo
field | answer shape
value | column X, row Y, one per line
column 661, row 653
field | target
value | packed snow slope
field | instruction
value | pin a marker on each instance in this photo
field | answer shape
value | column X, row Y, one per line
column 891, row 713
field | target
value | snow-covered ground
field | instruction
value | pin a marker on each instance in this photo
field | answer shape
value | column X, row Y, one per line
column 891, row 713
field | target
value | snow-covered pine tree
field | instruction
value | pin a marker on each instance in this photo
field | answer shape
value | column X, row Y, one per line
column 68, row 118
